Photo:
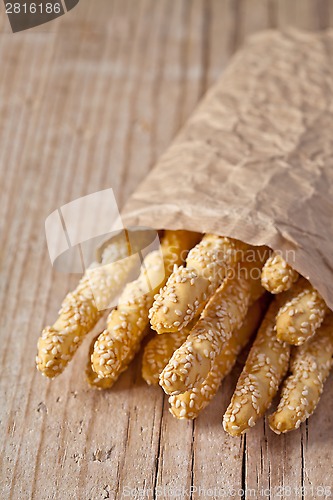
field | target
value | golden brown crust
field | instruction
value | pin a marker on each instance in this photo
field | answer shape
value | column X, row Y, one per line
column 225, row 312
column 277, row 276
column 301, row 314
column 310, row 366
column 157, row 353
column 91, row 376
column 189, row 288
column 189, row 404
column 80, row 311
column 265, row 367
column 127, row 324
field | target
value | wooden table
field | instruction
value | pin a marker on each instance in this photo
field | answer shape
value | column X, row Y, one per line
column 89, row 101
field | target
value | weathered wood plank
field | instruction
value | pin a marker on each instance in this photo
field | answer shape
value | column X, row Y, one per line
column 303, row 14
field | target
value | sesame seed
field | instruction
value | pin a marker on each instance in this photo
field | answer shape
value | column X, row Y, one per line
column 251, row 422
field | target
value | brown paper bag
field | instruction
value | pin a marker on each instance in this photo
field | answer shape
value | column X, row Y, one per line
column 255, row 160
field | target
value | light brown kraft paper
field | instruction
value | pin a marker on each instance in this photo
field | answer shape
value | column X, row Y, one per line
column 255, row 160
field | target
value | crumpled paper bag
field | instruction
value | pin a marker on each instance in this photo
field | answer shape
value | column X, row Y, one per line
column 255, row 159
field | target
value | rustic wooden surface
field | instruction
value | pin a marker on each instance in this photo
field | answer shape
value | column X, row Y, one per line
column 89, row 101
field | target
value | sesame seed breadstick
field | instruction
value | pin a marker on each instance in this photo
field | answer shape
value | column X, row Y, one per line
column 158, row 351
column 265, row 367
column 301, row 314
column 189, row 404
column 225, row 312
column 91, row 376
column 277, row 276
column 189, row 288
column 81, row 309
column 126, row 325
column 310, row 366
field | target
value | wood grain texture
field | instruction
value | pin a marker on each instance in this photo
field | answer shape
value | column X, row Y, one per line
column 89, row 102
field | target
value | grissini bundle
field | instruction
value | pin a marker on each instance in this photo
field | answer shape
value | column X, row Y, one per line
column 310, row 366
column 301, row 314
column 249, row 174
column 191, row 360
column 224, row 313
column 82, row 308
column 189, row 288
column 189, row 404
column 277, row 276
column 265, row 367
column 115, row 348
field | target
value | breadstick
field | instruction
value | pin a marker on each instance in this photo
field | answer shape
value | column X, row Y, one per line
column 158, row 351
column 301, row 391
column 126, row 325
column 225, row 312
column 191, row 363
column 277, row 276
column 301, row 314
column 82, row 308
column 91, row 376
column 189, row 288
column 189, row 404
column 265, row 367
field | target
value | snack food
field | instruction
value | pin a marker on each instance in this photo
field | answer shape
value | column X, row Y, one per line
column 189, row 288
column 91, row 376
column 301, row 314
column 310, row 366
column 189, row 404
column 277, row 276
column 82, row 308
column 190, row 361
column 225, row 312
column 116, row 346
column 247, row 174
column 265, row 367
column 158, row 351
